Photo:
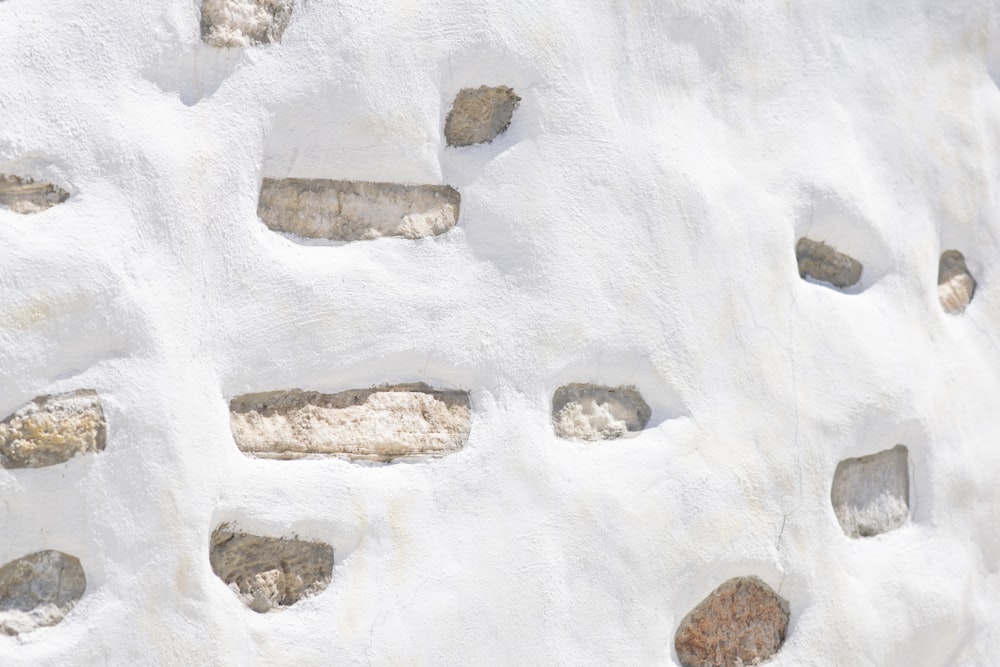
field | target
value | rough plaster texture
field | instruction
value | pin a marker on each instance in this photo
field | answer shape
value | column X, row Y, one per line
column 480, row 115
column 871, row 494
column 24, row 195
column 269, row 573
column 742, row 622
column 242, row 23
column 356, row 211
column 38, row 590
column 377, row 424
column 821, row 262
column 590, row 412
column 955, row 284
column 53, row 429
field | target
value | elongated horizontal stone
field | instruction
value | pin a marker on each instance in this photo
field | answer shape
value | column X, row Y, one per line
column 592, row 412
column 955, row 284
column 356, row 210
column 821, row 262
column 269, row 573
column 38, row 590
column 23, row 195
column 53, row 429
column 871, row 494
column 377, row 424
column 479, row 115
column 241, row 23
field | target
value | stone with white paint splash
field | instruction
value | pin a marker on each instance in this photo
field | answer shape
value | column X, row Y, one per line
column 53, row 429
column 38, row 590
column 25, row 196
column 871, row 494
column 593, row 412
column 241, row 23
column 955, row 283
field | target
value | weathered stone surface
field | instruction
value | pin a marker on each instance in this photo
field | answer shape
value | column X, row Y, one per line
column 871, row 494
column 955, row 284
column 355, row 210
column 821, row 262
column 39, row 590
column 742, row 622
column 479, row 115
column 53, row 429
column 591, row 412
column 240, row 23
column 377, row 424
column 23, row 195
column 268, row 573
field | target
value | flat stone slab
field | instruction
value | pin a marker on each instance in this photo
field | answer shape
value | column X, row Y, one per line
column 955, row 284
column 25, row 196
column 821, row 262
column 479, row 115
column 269, row 573
column 38, row 590
column 742, row 622
column 376, row 424
column 871, row 494
column 593, row 412
column 53, row 429
column 356, row 210
column 241, row 23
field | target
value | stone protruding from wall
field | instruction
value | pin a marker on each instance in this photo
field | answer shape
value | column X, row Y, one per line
column 593, row 412
column 376, row 424
column 23, row 195
column 239, row 23
column 269, row 573
column 955, row 284
column 53, row 429
column 821, row 262
column 742, row 622
column 356, row 210
column 871, row 494
column 38, row 590
column 479, row 115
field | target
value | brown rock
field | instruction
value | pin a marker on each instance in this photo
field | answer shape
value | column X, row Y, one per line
column 479, row 115
column 821, row 262
column 955, row 284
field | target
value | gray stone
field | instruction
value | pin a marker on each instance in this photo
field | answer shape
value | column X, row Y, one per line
column 269, row 573
column 955, row 284
column 821, row 262
column 356, row 210
column 53, row 429
column 592, row 412
column 241, row 23
column 479, row 115
column 38, row 590
column 23, row 195
column 871, row 494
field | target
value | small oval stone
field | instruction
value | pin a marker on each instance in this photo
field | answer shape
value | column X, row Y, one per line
column 38, row 590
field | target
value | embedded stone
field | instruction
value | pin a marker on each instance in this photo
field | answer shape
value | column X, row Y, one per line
column 871, row 494
column 25, row 196
column 376, row 424
column 821, row 262
column 592, row 412
column 53, row 429
column 742, row 622
column 479, row 115
column 241, row 23
column 955, row 284
column 38, row 590
column 269, row 573
column 356, row 210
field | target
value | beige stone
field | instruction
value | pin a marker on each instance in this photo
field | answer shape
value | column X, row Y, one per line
column 955, row 284
column 377, row 424
column 871, row 494
column 23, row 195
column 269, row 573
column 592, row 412
column 38, row 590
column 356, row 210
column 821, row 262
column 742, row 622
column 241, row 23
column 53, row 429
column 479, row 115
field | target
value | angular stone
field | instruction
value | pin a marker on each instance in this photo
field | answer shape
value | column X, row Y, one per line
column 38, row 590
column 479, row 115
column 240, row 23
column 821, row 262
column 955, row 284
column 592, row 412
column 376, row 424
column 269, row 573
column 356, row 210
column 871, row 494
column 53, row 429
column 742, row 622
column 24, row 196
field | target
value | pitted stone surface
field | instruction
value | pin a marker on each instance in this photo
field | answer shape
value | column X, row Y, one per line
column 239, row 23
column 871, row 494
column 269, row 573
column 742, row 622
column 356, row 210
column 38, row 590
column 23, row 195
column 53, row 429
column 821, row 262
column 592, row 412
column 955, row 284
column 479, row 115
column 377, row 424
